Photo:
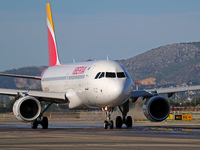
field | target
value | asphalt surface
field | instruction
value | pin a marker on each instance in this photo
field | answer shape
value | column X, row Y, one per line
column 89, row 134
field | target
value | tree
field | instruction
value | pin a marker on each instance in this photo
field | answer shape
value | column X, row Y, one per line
column 195, row 101
column 10, row 104
column 171, row 101
column 1, row 104
column 181, row 101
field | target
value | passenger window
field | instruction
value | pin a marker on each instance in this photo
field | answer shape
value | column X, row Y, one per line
column 97, row 75
column 110, row 75
column 102, row 75
column 121, row 75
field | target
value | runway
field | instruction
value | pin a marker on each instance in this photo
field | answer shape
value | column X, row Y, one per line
column 89, row 134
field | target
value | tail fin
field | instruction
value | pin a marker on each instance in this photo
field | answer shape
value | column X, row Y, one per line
column 53, row 54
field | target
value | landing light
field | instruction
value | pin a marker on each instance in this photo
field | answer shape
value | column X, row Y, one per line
column 106, row 108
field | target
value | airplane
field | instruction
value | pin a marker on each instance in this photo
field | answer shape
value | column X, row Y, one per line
column 102, row 84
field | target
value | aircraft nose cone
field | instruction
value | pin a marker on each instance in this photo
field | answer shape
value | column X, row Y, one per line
column 118, row 92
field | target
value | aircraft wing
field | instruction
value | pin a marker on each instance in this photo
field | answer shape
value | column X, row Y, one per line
column 21, row 76
column 175, row 89
column 55, row 97
column 170, row 91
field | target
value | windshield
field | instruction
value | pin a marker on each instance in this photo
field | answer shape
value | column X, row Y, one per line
column 100, row 75
column 110, row 75
column 121, row 75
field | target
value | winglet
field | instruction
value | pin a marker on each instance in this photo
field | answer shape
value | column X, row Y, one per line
column 53, row 54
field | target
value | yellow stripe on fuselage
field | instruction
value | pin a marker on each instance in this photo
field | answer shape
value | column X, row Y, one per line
column 49, row 16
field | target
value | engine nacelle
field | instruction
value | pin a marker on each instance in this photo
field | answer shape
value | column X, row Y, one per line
column 27, row 109
column 156, row 109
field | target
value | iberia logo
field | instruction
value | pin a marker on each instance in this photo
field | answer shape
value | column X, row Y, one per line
column 79, row 70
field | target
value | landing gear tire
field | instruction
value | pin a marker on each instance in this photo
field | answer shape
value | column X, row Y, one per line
column 41, row 120
column 105, row 124
column 111, row 124
column 34, row 124
column 44, row 123
column 108, row 123
column 119, row 122
column 129, row 122
column 124, row 120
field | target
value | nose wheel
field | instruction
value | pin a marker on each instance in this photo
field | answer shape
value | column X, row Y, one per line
column 108, row 122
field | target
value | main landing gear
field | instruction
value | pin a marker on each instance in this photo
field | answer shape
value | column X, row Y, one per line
column 41, row 120
column 124, row 120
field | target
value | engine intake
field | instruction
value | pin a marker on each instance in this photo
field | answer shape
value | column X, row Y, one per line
column 27, row 109
column 156, row 109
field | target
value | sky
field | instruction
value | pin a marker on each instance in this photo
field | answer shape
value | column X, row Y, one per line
column 93, row 29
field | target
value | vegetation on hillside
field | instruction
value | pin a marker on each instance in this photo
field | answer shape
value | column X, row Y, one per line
column 171, row 64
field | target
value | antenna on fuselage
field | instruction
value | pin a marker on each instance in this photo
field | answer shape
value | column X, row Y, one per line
column 107, row 57
column 74, row 60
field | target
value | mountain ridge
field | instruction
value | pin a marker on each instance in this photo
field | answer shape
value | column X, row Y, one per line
column 173, row 64
column 170, row 64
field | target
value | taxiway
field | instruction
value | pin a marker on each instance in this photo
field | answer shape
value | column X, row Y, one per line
column 89, row 134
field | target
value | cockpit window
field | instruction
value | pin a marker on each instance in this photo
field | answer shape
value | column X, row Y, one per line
column 97, row 75
column 102, row 75
column 110, row 75
column 121, row 75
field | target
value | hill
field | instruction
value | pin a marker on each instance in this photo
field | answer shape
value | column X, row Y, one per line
column 174, row 64
column 171, row 64
column 10, row 82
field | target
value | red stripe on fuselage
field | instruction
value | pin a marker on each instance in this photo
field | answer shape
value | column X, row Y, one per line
column 52, row 49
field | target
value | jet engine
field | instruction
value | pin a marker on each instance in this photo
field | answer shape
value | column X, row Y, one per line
column 27, row 109
column 156, row 108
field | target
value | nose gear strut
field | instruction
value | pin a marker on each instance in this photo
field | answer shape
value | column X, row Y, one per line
column 108, row 122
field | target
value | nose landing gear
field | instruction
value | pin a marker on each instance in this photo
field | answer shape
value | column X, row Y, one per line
column 108, row 122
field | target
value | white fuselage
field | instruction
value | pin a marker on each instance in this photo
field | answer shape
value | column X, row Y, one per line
column 89, row 84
